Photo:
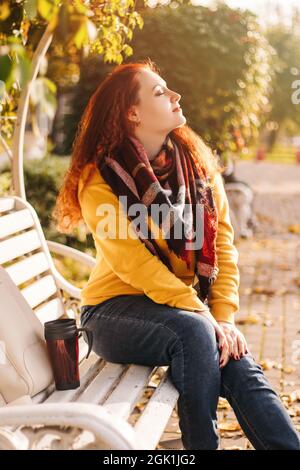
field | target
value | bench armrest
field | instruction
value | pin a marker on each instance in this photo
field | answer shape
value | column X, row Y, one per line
column 77, row 255
column 109, row 430
column 66, row 286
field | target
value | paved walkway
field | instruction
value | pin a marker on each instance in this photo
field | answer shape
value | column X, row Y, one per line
column 269, row 295
column 276, row 194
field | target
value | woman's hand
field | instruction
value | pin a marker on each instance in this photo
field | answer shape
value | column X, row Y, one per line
column 236, row 340
column 221, row 336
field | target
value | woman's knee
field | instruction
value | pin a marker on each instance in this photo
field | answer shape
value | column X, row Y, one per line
column 195, row 331
column 244, row 373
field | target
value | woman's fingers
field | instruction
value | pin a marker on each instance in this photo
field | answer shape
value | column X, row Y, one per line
column 235, row 344
column 227, row 341
column 243, row 348
column 221, row 336
column 224, row 357
column 224, row 360
column 224, row 347
column 236, row 350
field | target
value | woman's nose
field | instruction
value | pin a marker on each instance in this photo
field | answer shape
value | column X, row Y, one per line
column 176, row 96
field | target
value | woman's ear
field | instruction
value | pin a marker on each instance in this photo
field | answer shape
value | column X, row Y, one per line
column 132, row 114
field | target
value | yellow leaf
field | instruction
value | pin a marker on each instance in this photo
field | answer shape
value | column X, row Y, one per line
column 229, row 426
column 295, row 228
column 263, row 290
column 223, row 404
column 267, row 364
column 4, row 11
column 251, row 319
column 233, row 448
column 289, row 369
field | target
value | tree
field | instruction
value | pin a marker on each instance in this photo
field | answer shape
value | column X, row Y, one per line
column 27, row 30
column 284, row 112
column 219, row 61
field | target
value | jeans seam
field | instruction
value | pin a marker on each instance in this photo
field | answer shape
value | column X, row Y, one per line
column 244, row 417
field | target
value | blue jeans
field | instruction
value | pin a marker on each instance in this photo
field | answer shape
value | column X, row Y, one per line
column 133, row 329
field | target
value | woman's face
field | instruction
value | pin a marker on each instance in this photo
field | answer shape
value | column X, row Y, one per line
column 157, row 103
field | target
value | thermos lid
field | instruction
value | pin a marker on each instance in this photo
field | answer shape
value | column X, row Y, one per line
column 62, row 328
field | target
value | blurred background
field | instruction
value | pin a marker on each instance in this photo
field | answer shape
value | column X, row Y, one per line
column 236, row 64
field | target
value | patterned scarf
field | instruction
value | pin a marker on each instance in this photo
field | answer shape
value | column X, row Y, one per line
column 175, row 180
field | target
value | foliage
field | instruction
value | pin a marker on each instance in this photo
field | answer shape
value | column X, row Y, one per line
column 284, row 113
column 43, row 178
column 93, row 27
column 219, row 61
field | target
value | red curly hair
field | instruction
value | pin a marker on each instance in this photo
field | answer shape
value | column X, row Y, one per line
column 103, row 128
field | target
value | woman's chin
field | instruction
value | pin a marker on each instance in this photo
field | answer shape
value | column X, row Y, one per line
column 181, row 121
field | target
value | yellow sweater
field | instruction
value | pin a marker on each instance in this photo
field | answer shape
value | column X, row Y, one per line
column 125, row 266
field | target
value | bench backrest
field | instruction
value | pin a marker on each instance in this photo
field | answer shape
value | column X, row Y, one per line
column 25, row 255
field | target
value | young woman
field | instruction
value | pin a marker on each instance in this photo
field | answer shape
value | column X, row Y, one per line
column 156, row 298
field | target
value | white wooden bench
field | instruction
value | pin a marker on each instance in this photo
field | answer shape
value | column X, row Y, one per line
column 100, row 413
column 240, row 198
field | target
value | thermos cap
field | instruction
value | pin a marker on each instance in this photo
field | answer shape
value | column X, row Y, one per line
column 60, row 329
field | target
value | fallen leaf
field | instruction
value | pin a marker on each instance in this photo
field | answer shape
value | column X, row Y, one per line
column 229, row 426
column 294, row 228
column 263, row 290
column 284, row 267
column 247, row 291
column 289, row 369
column 267, row 364
column 282, row 291
column 251, row 319
column 223, row 404
column 233, row 448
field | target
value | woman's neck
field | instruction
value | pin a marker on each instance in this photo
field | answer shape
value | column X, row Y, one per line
column 152, row 143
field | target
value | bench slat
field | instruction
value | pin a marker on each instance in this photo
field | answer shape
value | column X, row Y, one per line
column 122, row 400
column 6, row 204
column 12, row 223
column 51, row 310
column 28, row 268
column 116, row 387
column 155, row 417
column 19, row 245
column 88, row 369
column 112, row 374
column 40, row 290
column 50, row 395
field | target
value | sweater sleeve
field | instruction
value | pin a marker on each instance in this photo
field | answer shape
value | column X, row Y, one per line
column 224, row 300
column 127, row 256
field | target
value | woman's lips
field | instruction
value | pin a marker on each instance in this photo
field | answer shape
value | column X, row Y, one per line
column 177, row 109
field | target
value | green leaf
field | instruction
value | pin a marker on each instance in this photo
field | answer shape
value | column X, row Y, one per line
column 22, row 70
column 6, row 67
column 30, row 7
column 128, row 51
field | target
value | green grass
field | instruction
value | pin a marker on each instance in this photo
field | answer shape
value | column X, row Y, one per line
column 279, row 154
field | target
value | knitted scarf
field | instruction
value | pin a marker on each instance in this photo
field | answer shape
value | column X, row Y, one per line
column 173, row 178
